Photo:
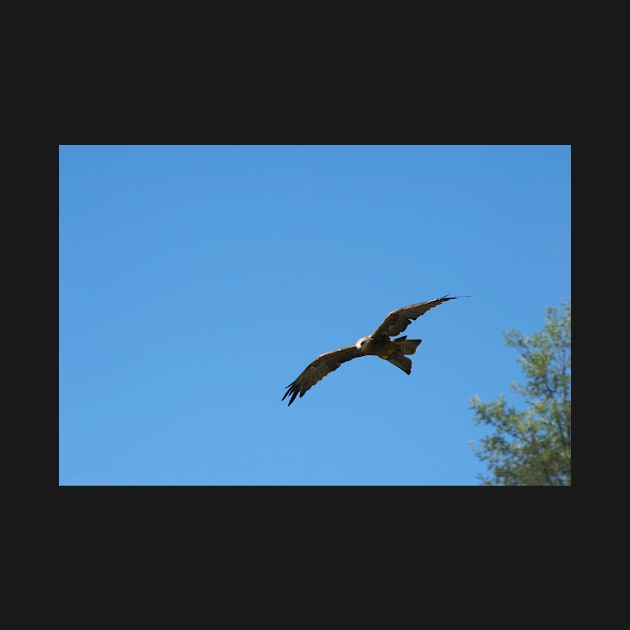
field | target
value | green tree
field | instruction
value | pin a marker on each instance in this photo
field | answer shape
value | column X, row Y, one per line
column 532, row 446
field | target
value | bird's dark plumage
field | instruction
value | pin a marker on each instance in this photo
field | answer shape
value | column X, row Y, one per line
column 379, row 343
column 315, row 371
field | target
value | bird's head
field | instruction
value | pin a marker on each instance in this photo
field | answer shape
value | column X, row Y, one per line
column 361, row 343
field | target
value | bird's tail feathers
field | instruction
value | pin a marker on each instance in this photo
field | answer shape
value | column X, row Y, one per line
column 402, row 362
column 408, row 346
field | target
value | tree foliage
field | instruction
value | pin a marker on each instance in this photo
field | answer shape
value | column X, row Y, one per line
column 532, row 446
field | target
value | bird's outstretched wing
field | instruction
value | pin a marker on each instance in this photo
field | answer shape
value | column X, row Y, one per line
column 315, row 371
column 398, row 320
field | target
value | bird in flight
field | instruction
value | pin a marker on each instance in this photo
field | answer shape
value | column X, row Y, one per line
column 379, row 343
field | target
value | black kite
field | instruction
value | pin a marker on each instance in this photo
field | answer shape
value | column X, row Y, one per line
column 379, row 343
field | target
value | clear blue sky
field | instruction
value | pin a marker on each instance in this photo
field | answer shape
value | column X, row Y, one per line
column 196, row 282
